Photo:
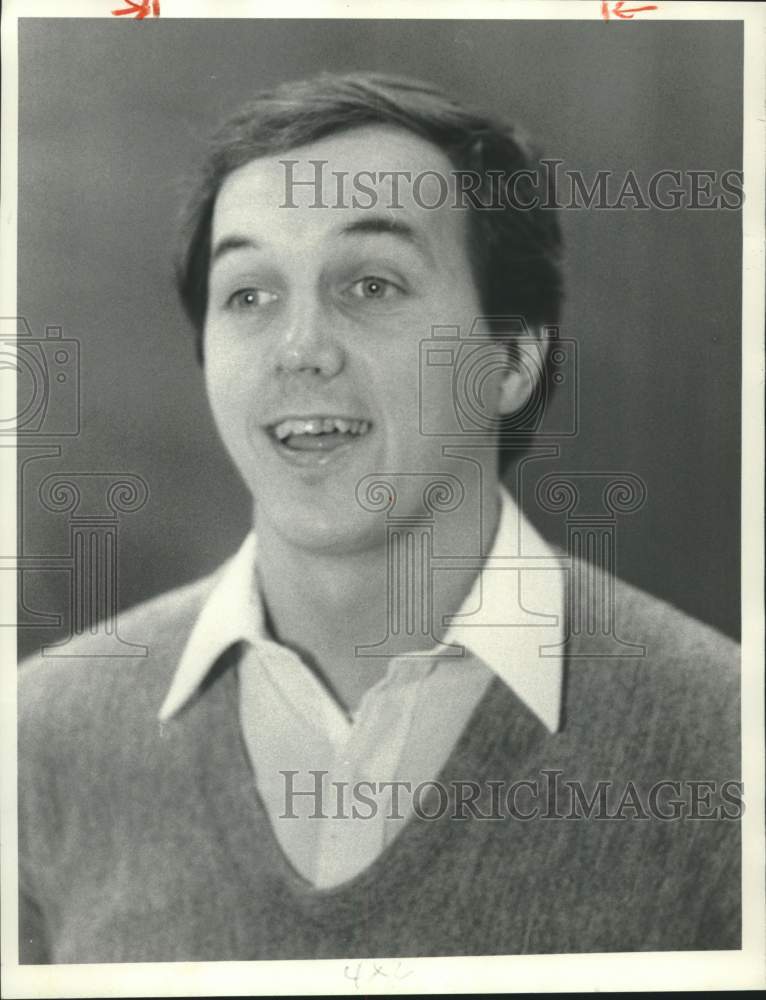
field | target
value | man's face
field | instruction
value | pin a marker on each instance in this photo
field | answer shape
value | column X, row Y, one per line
column 314, row 324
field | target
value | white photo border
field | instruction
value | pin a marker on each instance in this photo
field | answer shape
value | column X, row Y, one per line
column 538, row 973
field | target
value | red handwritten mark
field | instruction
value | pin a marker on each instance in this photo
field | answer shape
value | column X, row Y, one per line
column 624, row 13
column 139, row 10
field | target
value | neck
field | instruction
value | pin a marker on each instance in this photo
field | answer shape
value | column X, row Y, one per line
column 326, row 605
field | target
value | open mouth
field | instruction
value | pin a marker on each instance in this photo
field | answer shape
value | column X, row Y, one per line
column 318, row 434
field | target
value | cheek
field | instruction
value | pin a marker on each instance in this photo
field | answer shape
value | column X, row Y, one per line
column 397, row 384
column 229, row 362
column 227, row 393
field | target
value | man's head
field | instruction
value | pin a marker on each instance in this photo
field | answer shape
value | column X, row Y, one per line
column 270, row 280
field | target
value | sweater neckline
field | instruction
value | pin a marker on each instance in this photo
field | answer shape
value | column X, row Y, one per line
column 500, row 729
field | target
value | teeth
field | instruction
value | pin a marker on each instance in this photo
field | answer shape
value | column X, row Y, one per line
column 320, row 425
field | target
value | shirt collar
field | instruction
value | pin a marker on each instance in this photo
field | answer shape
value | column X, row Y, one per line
column 232, row 612
column 513, row 618
column 529, row 599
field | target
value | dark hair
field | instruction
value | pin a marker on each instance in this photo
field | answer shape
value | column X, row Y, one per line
column 514, row 251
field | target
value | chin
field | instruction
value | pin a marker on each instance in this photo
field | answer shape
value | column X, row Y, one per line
column 324, row 528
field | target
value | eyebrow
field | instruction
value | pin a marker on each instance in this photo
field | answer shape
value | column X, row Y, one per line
column 379, row 225
column 376, row 225
column 231, row 243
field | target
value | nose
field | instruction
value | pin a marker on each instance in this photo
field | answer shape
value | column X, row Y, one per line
column 308, row 344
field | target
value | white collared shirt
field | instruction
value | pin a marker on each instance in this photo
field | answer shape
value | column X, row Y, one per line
column 325, row 778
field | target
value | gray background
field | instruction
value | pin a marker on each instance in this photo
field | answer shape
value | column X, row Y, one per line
column 113, row 113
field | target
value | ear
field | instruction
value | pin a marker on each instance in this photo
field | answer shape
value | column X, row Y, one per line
column 524, row 373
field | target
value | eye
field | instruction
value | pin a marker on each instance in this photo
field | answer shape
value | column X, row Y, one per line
column 249, row 298
column 373, row 288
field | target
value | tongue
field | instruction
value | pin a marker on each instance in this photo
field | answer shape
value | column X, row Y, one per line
column 317, row 442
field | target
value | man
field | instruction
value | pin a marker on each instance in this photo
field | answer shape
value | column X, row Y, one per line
column 374, row 733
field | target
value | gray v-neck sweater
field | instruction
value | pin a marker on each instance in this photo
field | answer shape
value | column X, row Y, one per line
column 142, row 841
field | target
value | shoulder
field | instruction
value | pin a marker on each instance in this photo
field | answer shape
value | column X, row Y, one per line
column 676, row 645
column 656, row 682
column 89, row 740
column 613, row 619
column 82, row 679
column 669, row 625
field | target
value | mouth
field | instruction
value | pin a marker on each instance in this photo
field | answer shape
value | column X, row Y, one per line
column 317, row 437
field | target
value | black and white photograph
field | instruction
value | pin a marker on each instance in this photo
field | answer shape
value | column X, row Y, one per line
column 382, row 429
